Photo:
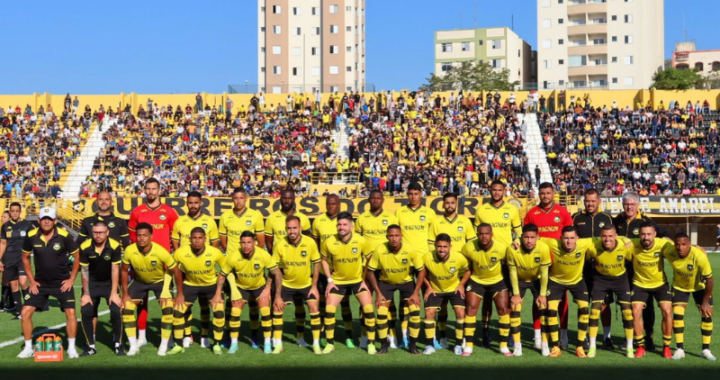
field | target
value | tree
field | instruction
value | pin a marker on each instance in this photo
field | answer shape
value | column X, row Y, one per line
column 674, row 79
column 471, row 76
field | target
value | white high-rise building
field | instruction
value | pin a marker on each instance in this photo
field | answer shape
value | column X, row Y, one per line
column 614, row 44
column 308, row 45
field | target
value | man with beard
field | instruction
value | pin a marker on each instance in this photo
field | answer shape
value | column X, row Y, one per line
column 117, row 226
column 12, row 237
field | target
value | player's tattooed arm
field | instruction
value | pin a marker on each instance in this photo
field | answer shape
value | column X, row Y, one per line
column 85, row 271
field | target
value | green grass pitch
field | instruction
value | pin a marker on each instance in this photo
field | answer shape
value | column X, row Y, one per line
column 299, row 363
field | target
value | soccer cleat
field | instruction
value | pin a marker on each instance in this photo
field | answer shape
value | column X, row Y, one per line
column 538, row 343
column 486, row 340
column 564, row 343
column 555, row 352
column 302, row 343
column 630, row 353
column 233, row 348
column 217, row 350
column 89, row 352
column 17, row 317
column 316, row 349
column 384, row 347
column 436, row 344
column 518, row 350
column 640, row 353
column 608, row 344
column 404, row 343
column 205, row 342
column 277, row 350
column 545, row 351
column 505, row 351
column 267, row 348
column 586, row 344
column 72, row 354
column 444, row 343
column 679, row 354
column 119, row 350
column 592, row 352
column 708, row 355
column 371, row 350
column 412, row 348
column 187, row 342
column 363, row 342
column 467, row 351
column 458, row 350
column 393, row 342
column 580, row 352
column 133, row 351
column 254, row 343
column 329, row 349
column 350, row 344
column 667, row 353
column 141, row 342
column 26, row 353
column 178, row 349
column 429, row 350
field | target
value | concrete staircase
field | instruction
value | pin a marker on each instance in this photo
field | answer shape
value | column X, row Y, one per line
column 535, row 148
column 84, row 164
column 341, row 138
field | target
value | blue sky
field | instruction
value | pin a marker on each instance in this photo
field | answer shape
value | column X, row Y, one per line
column 161, row 46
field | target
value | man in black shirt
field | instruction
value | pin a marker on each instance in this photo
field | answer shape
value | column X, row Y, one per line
column 100, row 259
column 12, row 237
column 51, row 248
column 117, row 226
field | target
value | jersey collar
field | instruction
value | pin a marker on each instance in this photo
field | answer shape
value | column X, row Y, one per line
column 378, row 214
column 240, row 214
column 497, row 207
column 451, row 221
column 414, row 209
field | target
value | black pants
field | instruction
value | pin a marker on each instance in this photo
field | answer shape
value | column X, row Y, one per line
column 89, row 311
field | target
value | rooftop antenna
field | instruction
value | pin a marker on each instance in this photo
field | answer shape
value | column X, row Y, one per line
column 476, row 14
column 685, row 32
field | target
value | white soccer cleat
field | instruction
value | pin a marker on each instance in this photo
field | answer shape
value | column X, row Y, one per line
column 444, row 343
column 518, row 350
column 142, row 342
column 162, row 351
column 364, row 342
column 187, row 342
column 429, row 350
column 72, row 354
column 545, row 350
column 133, row 351
column 204, row 342
column 467, row 351
column 26, row 353
column 458, row 350
column 538, row 343
column 302, row 343
column 708, row 355
column 393, row 342
column 505, row 351
column 679, row 354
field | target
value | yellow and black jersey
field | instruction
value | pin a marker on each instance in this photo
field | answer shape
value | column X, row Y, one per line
column 415, row 224
column 395, row 267
column 200, row 270
column 459, row 228
column 148, row 268
column 444, row 276
column 185, row 224
column 374, row 227
column 233, row 225
column 324, row 226
column 100, row 264
column 648, row 264
column 275, row 223
column 690, row 273
column 567, row 267
column 528, row 264
column 249, row 271
column 504, row 220
column 610, row 263
column 346, row 259
column 487, row 265
column 50, row 257
column 297, row 261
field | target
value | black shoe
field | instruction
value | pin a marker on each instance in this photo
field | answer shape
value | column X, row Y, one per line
column 119, row 350
column 384, row 347
column 586, row 344
column 413, row 349
column 17, row 317
column 608, row 344
column 649, row 345
column 486, row 340
column 88, row 352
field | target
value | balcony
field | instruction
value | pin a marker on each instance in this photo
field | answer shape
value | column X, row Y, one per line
column 588, row 70
column 587, row 29
column 587, row 50
column 586, row 8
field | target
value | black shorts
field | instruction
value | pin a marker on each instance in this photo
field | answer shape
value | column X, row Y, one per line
column 289, row 294
column 192, row 293
column 343, row 290
column 590, row 283
column 680, row 297
column 251, row 295
column 13, row 271
column 604, row 287
column 138, row 291
column 578, row 291
column 66, row 299
column 435, row 301
column 483, row 291
column 388, row 290
column 533, row 287
column 642, row 295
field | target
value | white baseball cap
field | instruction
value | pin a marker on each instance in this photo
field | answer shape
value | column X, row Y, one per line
column 47, row 212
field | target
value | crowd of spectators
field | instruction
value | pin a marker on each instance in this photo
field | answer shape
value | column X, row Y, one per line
column 663, row 150
column 38, row 145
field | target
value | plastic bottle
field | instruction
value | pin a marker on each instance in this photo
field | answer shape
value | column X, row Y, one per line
column 39, row 345
column 57, row 344
column 49, row 344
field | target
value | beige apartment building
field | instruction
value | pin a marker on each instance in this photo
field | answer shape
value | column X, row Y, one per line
column 613, row 44
column 308, row 45
column 500, row 47
column 706, row 62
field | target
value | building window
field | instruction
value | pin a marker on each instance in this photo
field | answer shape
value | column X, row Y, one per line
column 333, row 9
column 334, row 70
column 547, row 44
column 445, row 67
column 313, row 51
column 313, row 11
column 613, row 17
column 480, row 42
column 348, row 9
column 614, row 80
column 629, row 39
column 546, row 24
column 561, row 41
column 614, row 38
column 546, row 3
column 277, row 29
column 629, row 60
column 628, row 19
column 297, row 31
column 348, row 68
column 629, row 81
column 348, row 28
column 315, row 71
column 716, row 66
column 262, row 69
column 561, row 61
column 497, row 63
column 277, row 70
column 547, row 64
column 334, row 29
column 348, row 49
column 497, row 44
column 295, row 71
column 262, row 29
column 465, row 46
column 315, row 31
column 334, row 49
column 561, row 21
column 480, row 62
column 598, row 41
column 614, row 59
column 446, row 48
column 699, row 66
column 296, row 51
column 277, row 9
column 296, row 11
column 262, row 49
column 277, row 50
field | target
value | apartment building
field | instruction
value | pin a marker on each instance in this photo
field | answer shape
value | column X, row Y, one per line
column 308, row 45
column 500, row 47
column 613, row 44
column 686, row 57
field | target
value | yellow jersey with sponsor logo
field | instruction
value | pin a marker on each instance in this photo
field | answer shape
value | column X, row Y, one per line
column 460, row 229
column 504, row 220
column 249, row 271
column 148, row 268
column 275, row 223
column 528, row 264
column 486, row 266
column 233, row 225
column 199, row 269
column 690, row 273
column 415, row 225
column 374, row 227
column 296, row 261
column 346, row 259
column 444, row 276
column 648, row 264
column 567, row 267
column 395, row 267
column 610, row 263
column 185, row 224
column 324, row 226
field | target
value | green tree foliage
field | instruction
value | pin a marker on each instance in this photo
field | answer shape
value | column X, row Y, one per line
column 471, row 76
column 674, row 79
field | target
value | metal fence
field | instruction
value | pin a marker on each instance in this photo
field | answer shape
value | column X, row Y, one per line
column 305, row 88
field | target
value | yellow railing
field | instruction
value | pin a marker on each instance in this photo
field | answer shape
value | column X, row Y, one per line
column 330, row 178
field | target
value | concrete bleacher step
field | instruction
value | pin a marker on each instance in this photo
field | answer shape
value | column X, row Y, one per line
column 85, row 162
column 65, row 175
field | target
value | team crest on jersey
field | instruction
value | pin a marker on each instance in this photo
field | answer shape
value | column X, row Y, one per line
column 248, row 223
column 8, row 234
column 106, row 257
column 537, row 259
column 506, row 216
column 577, row 255
column 385, row 222
column 601, row 225
column 636, row 231
column 163, row 217
column 620, row 257
column 23, row 233
column 303, row 253
column 208, row 263
column 657, row 254
column 493, row 259
column 461, row 229
column 256, row 266
column 452, row 269
column 27, row 296
column 556, row 219
column 422, row 218
column 153, row 263
column 690, row 267
column 205, row 226
column 354, row 250
column 404, row 261
column 57, row 246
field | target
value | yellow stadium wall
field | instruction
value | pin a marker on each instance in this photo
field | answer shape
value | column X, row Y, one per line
column 712, row 96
